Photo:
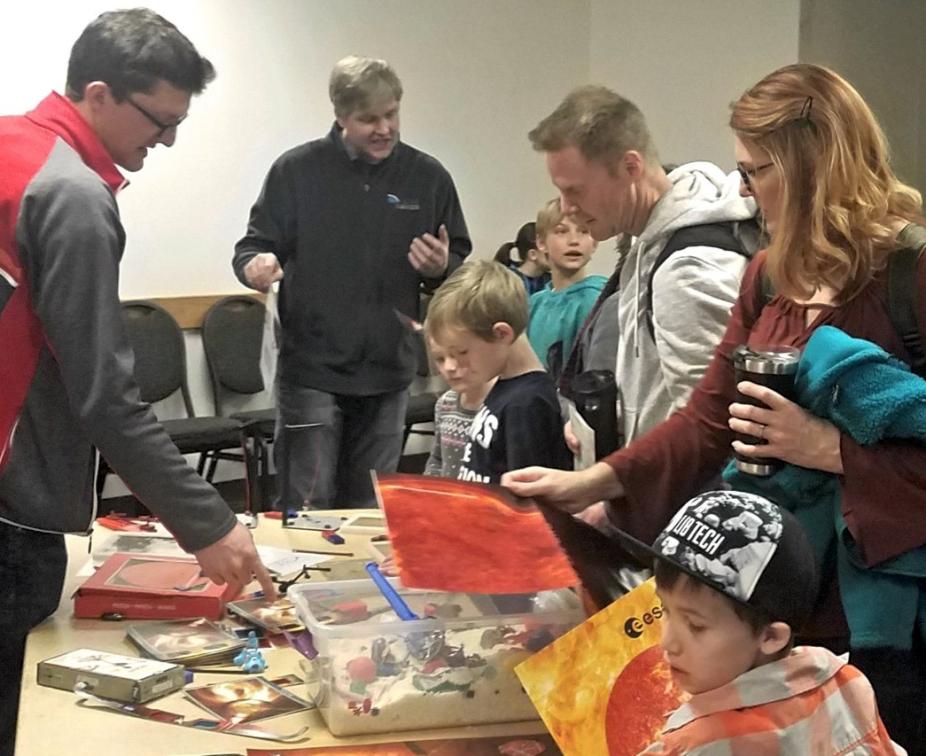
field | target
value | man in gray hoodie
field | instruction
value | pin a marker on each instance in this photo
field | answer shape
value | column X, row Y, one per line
column 601, row 157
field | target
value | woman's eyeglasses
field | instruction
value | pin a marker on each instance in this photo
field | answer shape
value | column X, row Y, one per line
column 748, row 174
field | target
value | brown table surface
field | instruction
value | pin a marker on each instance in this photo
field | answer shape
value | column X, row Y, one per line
column 52, row 722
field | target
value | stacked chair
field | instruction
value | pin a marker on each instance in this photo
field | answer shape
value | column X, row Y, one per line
column 161, row 371
column 232, row 332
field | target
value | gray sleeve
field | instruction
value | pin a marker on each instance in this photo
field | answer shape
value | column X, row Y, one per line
column 693, row 294
column 76, row 240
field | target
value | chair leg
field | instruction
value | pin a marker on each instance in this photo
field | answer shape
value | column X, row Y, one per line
column 249, row 452
column 102, row 471
column 201, row 465
column 264, row 464
column 213, row 463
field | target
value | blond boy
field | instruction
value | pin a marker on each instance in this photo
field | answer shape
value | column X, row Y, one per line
column 557, row 312
column 477, row 319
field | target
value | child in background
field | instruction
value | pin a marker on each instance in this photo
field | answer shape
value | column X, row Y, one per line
column 531, row 265
column 477, row 320
column 737, row 577
column 558, row 312
column 453, row 414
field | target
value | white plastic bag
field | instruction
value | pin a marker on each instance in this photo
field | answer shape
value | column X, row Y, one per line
column 270, row 344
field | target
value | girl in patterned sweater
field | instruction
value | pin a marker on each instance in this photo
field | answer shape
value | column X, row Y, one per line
column 453, row 415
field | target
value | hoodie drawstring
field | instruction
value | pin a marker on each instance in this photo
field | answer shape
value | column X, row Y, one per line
column 638, row 310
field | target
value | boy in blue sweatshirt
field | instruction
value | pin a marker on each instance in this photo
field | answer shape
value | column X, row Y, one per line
column 558, row 311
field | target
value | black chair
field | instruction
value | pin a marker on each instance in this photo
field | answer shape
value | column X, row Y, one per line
column 425, row 388
column 232, row 331
column 161, row 371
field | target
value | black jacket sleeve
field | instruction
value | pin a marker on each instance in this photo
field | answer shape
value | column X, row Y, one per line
column 450, row 214
column 272, row 224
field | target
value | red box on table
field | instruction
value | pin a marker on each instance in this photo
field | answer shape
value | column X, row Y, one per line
column 138, row 586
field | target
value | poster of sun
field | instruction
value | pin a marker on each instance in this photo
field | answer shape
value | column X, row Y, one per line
column 450, row 535
column 603, row 688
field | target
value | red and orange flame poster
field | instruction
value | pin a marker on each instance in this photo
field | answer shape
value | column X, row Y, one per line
column 451, row 535
column 603, row 688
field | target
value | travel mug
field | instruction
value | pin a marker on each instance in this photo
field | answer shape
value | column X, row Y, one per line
column 595, row 395
column 774, row 367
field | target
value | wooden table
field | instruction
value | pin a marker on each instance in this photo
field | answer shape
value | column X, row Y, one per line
column 52, row 722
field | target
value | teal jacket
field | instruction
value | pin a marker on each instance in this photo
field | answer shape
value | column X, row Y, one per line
column 557, row 316
column 871, row 396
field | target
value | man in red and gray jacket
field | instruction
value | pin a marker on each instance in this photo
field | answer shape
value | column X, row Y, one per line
column 66, row 367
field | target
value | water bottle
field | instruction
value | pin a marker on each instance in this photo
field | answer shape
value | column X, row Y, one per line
column 774, row 367
column 595, row 395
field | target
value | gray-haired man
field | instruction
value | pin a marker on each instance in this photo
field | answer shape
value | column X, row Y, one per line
column 353, row 224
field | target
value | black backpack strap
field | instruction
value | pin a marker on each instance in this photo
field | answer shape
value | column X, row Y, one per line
column 901, row 293
column 573, row 363
column 716, row 235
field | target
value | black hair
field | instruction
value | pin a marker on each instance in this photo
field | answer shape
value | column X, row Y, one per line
column 667, row 575
column 131, row 50
column 525, row 240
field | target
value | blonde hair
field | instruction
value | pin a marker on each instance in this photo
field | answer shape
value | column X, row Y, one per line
column 359, row 83
column 475, row 297
column 600, row 123
column 547, row 219
column 838, row 191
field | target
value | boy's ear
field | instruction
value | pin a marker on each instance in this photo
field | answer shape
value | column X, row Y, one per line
column 775, row 638
column 503, row 331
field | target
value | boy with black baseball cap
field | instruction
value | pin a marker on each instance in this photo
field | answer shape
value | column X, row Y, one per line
column 737, row 577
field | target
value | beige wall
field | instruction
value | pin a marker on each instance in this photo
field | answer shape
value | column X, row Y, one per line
column 878, row 47
column 683, row 62
column 476, row 75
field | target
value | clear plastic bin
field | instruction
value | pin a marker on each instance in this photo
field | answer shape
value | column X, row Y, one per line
column 455, row 666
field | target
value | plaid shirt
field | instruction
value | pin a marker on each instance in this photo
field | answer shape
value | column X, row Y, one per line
column 811, row 702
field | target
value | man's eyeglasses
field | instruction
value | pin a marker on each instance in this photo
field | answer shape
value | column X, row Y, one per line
column 749, row 174
column 163, row 127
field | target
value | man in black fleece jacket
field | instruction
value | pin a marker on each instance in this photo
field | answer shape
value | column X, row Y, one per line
column 353, row 224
